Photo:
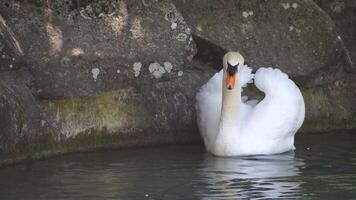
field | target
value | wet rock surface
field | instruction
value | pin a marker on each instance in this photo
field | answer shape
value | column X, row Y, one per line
column 94, row 74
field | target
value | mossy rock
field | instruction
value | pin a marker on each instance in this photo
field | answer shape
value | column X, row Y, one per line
column 330, row 107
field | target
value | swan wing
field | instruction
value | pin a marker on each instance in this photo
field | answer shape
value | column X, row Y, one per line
column 208, row 107
column 279, row 115
column 246, row 103
column 246, row 76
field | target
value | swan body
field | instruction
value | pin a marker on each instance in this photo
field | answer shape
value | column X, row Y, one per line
column 233, row 126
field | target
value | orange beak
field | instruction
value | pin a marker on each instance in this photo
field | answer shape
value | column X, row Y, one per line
column 230, row 81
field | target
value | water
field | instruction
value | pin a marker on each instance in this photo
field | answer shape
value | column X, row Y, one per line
column 323, row 167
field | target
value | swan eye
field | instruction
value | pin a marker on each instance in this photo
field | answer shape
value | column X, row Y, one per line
column 232, row 69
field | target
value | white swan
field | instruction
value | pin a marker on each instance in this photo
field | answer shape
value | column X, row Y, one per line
column 231, row 126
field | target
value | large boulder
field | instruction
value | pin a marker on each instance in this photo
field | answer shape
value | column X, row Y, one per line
column 330, row 107
column 343, row 14
column 80, row 50
column 11, row 53
column 296, row 36
column 10, row 117
column 20, row 119
column 163, row 113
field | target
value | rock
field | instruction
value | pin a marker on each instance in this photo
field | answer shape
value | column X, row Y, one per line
column 20, row 113
column 152, row 114
column 10, row 117
column 132, row 112
column 63, row 43
column 343, row 14
column 297, row 37
column 330, row 107
column 11, row 53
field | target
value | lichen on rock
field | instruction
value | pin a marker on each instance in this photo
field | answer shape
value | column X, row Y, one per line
column 95, row 73
column 156, row 70
column 137, row 68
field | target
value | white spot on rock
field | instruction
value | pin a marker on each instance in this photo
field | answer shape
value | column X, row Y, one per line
column 291, row 28
column 168, row 66
column 180, row 73
column 11, row 66
column 118, row 71
column 294, row 5
column 190, row 39
column 97, row 54
column 181, row 37
column 246, row 14
column 187, row 31
column 84, row 12
column 43, row 122
column 337, row 6
column 137, row 68
column 339, row 37
column 76, row 51
column 95, row 72
column 285, row 5
column 156, row 70
column 173, row 25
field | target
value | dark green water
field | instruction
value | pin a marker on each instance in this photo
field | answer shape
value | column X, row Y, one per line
column 323, row 167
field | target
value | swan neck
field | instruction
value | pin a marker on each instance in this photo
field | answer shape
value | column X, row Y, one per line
column 230, row 111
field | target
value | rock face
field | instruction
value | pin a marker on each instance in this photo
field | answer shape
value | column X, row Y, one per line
column 296, row 36
column 330, row 107
column 99, row 69
column 81, row 50
column 343, row 14
column 77, row 75
column 131, row 112
column 20, row 114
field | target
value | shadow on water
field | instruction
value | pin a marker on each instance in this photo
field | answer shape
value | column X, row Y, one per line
column 250, row 177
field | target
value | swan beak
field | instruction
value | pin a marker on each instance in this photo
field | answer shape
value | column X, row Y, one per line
column 230, row 81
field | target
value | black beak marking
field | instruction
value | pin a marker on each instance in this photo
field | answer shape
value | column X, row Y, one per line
column 232, row 69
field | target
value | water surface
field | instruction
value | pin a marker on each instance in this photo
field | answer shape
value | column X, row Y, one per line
column 322, row 167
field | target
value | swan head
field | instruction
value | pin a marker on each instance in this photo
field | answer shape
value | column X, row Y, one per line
column 233, row 63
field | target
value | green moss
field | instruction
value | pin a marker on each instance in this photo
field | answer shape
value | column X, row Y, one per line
column 329, row 108
column 112, row 119
column 93, row 141
column 327, row 125
column 109, row 111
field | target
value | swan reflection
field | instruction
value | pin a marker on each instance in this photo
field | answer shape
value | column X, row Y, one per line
column 264, row 176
